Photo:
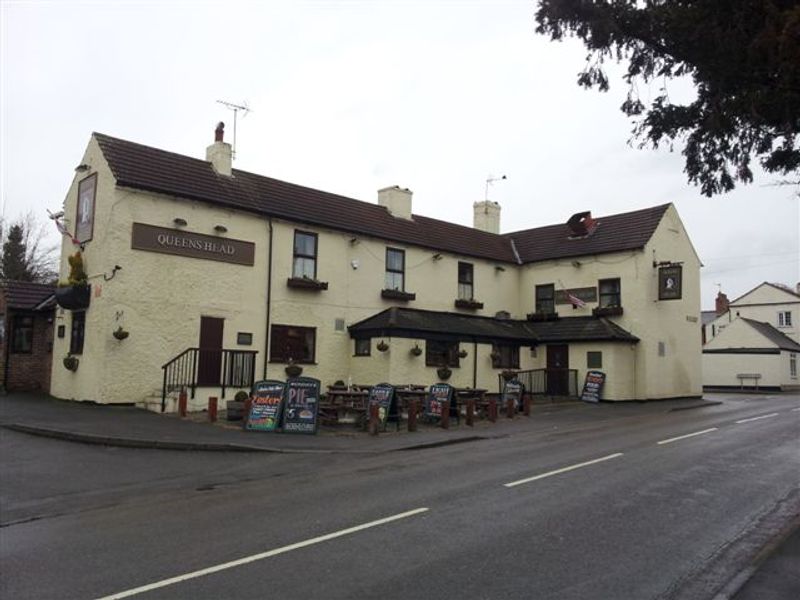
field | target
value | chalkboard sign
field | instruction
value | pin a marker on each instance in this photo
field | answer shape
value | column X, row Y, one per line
column 383, row 395
column 513, row 389
column 301, row 405
column 593, row 386
column 438, row 394
column 266, row 402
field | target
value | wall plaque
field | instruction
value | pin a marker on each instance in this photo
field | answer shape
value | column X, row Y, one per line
column 588, row 294
column 193, row 245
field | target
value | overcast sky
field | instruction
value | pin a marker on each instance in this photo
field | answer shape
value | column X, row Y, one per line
column 349, row 97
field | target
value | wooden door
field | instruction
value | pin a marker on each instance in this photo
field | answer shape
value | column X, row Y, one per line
column 209, row 363
column 558, row 370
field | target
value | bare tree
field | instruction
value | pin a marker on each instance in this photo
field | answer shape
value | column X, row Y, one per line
column 26, row 254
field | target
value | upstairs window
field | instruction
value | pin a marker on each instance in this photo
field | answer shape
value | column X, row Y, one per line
column 465, row 281
column 546, row 298
column 395, row 269
column 505, row 356
column 305, row 255
column 610, row 295
column 785, row 318
column 289, row 342
column 22, row 335
column 440, row 353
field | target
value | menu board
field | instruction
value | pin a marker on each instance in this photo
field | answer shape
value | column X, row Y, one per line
column 513, row 389
column 382, row 395
column 301, row 405
column 593, row 386
column 266, row 402
column 438, row 394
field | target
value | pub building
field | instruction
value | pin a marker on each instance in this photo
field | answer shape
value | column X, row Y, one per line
column 204, row 276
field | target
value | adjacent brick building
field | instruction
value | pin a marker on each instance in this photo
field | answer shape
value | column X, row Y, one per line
column 27, row 313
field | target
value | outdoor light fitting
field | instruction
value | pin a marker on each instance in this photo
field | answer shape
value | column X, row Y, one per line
column 220, row 228
column 180, row 222
column 82, row 168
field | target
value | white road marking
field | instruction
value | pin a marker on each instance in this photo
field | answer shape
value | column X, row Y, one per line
column 564, row 470
column 757, row 418
column 688, row 435
column 260, row 556
column 795, row 409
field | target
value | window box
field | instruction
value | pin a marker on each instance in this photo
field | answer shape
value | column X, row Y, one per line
column 542, row 316
column 73, row 297
column 306, row 283
column 398, row 295
column 607, row 311
column 469, row 304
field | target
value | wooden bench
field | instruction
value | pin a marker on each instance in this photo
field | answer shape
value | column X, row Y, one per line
column 742, row 377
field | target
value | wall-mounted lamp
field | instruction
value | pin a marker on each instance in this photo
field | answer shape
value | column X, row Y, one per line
column 113, row 273
column 82, row 168
column 354, row 264
column 437, row 256
column 576, row 263
column 179, row 222
column 499, row 269
column 220, row 229
column 354, row 241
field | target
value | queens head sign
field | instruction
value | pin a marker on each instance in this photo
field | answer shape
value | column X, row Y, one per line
column 193, row 245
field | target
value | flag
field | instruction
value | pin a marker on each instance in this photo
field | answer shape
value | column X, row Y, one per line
column 62, row 229
column 575, row 301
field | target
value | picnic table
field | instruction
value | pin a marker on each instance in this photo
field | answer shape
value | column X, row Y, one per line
column 337, row 403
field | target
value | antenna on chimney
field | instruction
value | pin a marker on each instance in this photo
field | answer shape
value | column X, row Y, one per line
column 235, row 108
column 490, row 180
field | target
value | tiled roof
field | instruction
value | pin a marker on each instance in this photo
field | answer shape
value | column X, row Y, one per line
column 410, row 322
column 145, row 168
column 614, row 233
column 25, row 295
column 781, row 340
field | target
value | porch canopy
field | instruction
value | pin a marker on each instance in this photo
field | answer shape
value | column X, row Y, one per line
column 430, row 324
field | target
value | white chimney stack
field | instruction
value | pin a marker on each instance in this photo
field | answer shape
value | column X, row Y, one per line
column 486, row 216
column 396, row 200
column 219, row 153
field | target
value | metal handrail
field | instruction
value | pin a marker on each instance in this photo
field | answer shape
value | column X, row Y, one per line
column 536, row 381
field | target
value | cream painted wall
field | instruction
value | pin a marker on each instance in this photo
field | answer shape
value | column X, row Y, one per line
column 721, row 369
column 763, row 304
column 739, row 334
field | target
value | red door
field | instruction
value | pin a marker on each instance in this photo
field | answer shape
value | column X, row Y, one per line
column 558, row 370
column 210, row 361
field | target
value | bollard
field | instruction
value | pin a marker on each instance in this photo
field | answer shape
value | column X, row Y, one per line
column 246, row 416
column 493, row 410
column 526, row 406
column 471, row 412
column 511, row 408
column 212, row 409
column 412, row 415
column 446, row 414
column 373, row 419
column 182, row 403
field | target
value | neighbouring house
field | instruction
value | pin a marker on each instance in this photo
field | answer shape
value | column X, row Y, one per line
column 755, row 343
column 26, row 339
column 206, row 277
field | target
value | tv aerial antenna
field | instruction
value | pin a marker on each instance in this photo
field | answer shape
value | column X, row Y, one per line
column 235, row 108
column 489, row 181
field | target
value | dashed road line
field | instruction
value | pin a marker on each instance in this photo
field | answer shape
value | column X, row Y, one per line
column 796, row 409
column 757, row 418
column 261, row 556
column 688, row 435
column 564, row 470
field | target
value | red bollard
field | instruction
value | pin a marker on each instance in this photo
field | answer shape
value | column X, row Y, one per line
column 212, row 409
column 511, row 408
column 373, row 419
column 412, row 415
column 182, row 403
column 493, row 410
column 446, row 414
column 526, row 406
column 246, row 416
column 471, row 413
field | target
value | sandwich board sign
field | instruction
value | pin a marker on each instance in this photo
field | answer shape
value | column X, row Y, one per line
column 382, row 395
column 513, row 389
column 301, row 409
column 593, row 386
column 266, row 404
column 438, row 394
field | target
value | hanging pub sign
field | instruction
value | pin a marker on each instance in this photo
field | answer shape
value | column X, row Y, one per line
column 383, row 395
column 84, row 219
column 593, row 386
column 438, row 394
column 670, row 282
column 266, row 404
column 513, row 389
column 301, row 405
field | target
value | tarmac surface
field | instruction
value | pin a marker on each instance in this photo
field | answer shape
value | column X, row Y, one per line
column 773, row 575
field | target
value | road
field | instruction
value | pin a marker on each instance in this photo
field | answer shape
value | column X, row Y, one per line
column 652, row 504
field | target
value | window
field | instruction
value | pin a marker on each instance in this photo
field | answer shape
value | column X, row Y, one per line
column 785, row 318
column 610, row 293
column 22, row 335
column 594, row 360
column 505, row 356
column 793, row 366
column 465, row 281
column 441, row 354
column 244, row 339
column 363, row 347
column 546, row 298
column 395, row 269
column 290, row 342
column 305, row 255
column 76, row 335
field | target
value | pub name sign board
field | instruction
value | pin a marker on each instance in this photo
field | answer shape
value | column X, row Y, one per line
column 193, row 245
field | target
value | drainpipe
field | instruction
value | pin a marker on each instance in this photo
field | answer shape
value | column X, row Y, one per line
column 269, row 298
column 474, row 365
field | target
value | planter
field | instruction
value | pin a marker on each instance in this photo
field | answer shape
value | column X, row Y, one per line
column 304, row 283
column 71, row 363
column 542, row 316
column 120, row 333
column 398, row 295
column 416, row 351
column 607, row 311
column 294, row 370
column 469, row 304
column 73, row 297
column 444, row 373
column 462, row 354
column 382, row 346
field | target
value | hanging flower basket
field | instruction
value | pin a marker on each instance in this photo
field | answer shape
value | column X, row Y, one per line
column 444, row 373
column 416, row 350
column 462, row 354
column 382, row 346
column 73, row 297
column 120, row 333
column 293, row 370
column 71, row 363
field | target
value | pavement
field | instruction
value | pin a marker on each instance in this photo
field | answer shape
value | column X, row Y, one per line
column 773, row 574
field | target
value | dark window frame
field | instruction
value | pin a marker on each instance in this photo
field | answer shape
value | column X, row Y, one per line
column 401, row 271
column 505, row 356
column 544, row 302
column 466, row 278
column 22, row 344
column 610, row 299
column 363, row 347
column 594, row 359
column 279, row 347
column 77, row 333
column 442, row 353
column 296, row 254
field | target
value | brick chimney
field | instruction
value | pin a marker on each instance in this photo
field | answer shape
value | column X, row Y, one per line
column 219, row 153
column 486, row 216
column 722, row 303
column 396, row 200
